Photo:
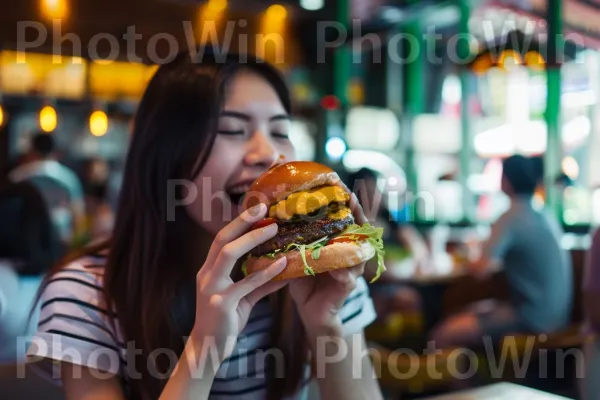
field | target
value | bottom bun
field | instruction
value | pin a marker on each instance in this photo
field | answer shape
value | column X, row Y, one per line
column 333, row 256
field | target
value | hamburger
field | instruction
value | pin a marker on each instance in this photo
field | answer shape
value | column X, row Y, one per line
column 316, row 229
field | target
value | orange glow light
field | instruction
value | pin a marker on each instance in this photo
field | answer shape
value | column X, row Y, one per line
column 276, row 12
column 48, row 119
column 54, row 9
column 98, row 123
column 534, row 60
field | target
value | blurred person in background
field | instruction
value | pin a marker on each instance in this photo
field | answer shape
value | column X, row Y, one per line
column 525, row 244
column 401, row 240
column 591, row 297
column 59, row 185
column 100, row 216
column 170, row 278
column 29, row 246
column 396, row 223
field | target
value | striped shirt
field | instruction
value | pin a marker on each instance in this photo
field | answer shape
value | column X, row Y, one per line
column 73, row 327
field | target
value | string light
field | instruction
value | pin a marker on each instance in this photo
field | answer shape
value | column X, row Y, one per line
column 276, row 12
column 54, row 9
column 48, row 119
column 98, row 123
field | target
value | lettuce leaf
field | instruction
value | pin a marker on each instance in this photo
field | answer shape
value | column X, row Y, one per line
column 244, row 267
column 375, row 238
column 311, row 247
column 316, row 253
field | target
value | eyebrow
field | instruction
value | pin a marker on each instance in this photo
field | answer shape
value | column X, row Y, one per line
column 246, row 117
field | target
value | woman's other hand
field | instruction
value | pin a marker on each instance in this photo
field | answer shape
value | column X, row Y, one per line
column 319, row 298
column 223, row 306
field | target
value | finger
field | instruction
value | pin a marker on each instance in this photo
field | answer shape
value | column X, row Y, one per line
column 235, row 229
column 358, row 270
column 357, row 210
column 233, row 251
column 345, row 278
column 257, row 279
column 265, row 290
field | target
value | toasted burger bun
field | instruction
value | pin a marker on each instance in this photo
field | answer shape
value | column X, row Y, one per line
column 282, row 180
column 333, row 256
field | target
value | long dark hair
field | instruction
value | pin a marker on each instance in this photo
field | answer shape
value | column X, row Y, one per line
column 152, row 263
column 27, row 235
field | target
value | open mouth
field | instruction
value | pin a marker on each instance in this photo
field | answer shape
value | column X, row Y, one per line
column 236, row 193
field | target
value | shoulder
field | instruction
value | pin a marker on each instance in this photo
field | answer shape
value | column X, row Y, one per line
column 73, row 319
column 357, row 311
column 82, row 278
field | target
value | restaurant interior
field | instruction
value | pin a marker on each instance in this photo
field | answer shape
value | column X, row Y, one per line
column 498, row 78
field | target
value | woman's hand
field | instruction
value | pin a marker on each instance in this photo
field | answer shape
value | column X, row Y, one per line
column 222, row 306
column 319, row 298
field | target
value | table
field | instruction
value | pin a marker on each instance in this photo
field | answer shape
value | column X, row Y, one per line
column 499, row 391
column 441, row 270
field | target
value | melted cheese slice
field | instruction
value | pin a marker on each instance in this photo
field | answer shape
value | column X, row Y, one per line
column 303, row 203
column 343, row 212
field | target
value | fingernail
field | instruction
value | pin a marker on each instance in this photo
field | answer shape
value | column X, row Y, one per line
column 271, row 229
column 281, row 262
column 258, row 209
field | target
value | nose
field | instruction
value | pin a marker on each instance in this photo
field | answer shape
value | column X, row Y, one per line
column 261, row 151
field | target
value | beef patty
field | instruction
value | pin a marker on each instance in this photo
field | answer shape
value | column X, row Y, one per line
column 302, row 233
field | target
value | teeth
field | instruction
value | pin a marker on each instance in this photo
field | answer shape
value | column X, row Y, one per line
column 239, row 189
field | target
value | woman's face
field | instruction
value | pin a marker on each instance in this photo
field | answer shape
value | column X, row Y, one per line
column 252, row 135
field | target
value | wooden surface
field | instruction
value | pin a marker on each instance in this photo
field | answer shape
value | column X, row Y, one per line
column 499, row 391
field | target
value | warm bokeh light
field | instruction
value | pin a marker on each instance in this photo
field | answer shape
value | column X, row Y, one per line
column 570, row 167
column 54, row 9
column 213, row 10
column 482, row 64
column 48, row 119
column 509, row 59
column 98, row 123
column 217, row 5
column 276, row 12
column 270, row 42
column 1, row 116
column 534, row 60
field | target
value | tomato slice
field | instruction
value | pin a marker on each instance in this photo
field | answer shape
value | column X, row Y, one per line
column 262, row 223
column 348, row 238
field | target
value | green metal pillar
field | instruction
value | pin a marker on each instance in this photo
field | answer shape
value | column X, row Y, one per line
column 552, row 159
column 342, row 57
column 415, row 105
column 466, row 151
column 341, row 68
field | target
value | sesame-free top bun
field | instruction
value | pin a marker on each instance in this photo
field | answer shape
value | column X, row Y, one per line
column 284, row 179
column 333, row 256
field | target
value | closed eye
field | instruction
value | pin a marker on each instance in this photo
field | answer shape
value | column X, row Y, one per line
column 225, row 132
column 280, row 135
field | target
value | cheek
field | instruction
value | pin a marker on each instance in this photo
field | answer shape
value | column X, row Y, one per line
column 288, row 151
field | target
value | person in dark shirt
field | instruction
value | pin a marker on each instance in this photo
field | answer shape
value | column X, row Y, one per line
column 525, row 244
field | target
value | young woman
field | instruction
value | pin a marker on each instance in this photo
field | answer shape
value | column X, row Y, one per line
column 167, row 313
